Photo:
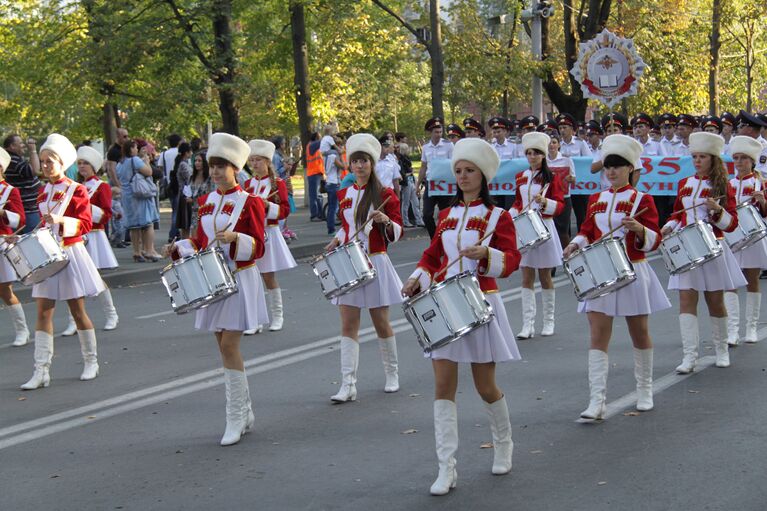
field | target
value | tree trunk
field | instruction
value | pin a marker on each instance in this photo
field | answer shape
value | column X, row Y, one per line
column 301, row 73
column 713, row 69
column 109, row 123
column 225, row 74
column 437, row 61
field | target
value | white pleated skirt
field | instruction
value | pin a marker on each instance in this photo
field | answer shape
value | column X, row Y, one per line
column 547, row 255
column 244, row 310
column 754, row 256
column 718, row 274
column 385, row 290
column 643, row 296
column 7, row 273
column 78, row 279
column 277, row 256
column 100, row 250
column 493, row 342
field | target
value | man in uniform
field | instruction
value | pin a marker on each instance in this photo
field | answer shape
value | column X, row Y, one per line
column 728, row 128
column 642, row 124
column 685, row 124
column 436, row 148
column 570, row 146
column 473, row 128
column 667, row 124
column 711, row 124
column 499, row 129
column 526, row 125
column 454, row 133
column 750, row 126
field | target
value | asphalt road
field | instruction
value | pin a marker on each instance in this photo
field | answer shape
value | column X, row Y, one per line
column 144, row 435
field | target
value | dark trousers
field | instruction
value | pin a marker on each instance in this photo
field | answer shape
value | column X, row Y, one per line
column 429, row 203
column 665, row 206
column 580, row 203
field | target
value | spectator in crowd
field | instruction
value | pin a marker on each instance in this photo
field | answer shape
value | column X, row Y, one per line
column 22, row 174
column 140, row 214
column 165, row 162
column 387, row 168
column 285, row 167
column 315, row 172
column 333, row 167
column 182, row 174
column 117, row 222
column 200, row 185
column 114, row 155
column 408, row 190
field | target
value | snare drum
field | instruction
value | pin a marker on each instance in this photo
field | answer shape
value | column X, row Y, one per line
column 36, row 256
column 531, row 231
column 689, row 247
column 344, row 269
column 198, row 280
column 447, row 311
column 599, row 269
column 750, row 228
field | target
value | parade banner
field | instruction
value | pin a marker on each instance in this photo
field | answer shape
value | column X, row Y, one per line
column 660, row 175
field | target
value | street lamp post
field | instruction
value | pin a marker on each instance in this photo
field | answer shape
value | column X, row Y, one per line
column 535, row 14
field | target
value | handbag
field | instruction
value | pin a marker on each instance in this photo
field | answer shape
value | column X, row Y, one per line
column 143, row 187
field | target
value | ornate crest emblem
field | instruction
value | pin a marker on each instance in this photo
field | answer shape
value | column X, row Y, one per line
column 608, row 68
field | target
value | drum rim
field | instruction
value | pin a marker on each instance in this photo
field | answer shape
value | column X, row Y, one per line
column 698, row 261
column 22, row 237
column 604, row 288
column 439, row 285
column 204, row 301
column 338, row 249
column 351, row 286
column 485, row 319
column 197, row 254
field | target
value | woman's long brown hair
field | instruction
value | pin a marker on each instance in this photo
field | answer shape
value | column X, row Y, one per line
column 718, row 177
column 372, row 194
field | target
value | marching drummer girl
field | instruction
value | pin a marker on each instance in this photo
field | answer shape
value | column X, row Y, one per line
column 11, row 220
column 89, row 161
column 357, row 204
column 745, row 153
column 710, row 198
column 233, row 220
column 634, row 214
column 471, row 217
column 539, row 189
column 274, row 192
column 65, row 209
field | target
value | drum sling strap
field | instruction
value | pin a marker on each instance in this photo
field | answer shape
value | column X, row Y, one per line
column 64, row 204
column 3, row 200
column 235, row 217
column 492, row 222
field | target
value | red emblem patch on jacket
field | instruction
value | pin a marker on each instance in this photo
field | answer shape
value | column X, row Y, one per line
column 685, row 192
column 624, row 206
column 206, row 209
column 227, row 208
column 476, row 223
column 58, row 196
column 597, row 207
column 447, row 224
column 345, row 203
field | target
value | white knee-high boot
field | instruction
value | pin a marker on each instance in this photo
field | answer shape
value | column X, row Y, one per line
column 643, row 374
column 528, row 314
column 753, row 306
column 688, row 325
column 446, row 437
column 239, row 416
column 109, row 310
column 275, row 308
column 350, row 358
column 500, row 427
column 719, row 339
column 732, row 304
column 19, row 324
column 598, row 368
column 388, row 347
column 548, row 300
column 43, row 357
column 90, row 355
column 71, row 328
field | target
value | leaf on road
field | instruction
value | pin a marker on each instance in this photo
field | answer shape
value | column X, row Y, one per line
column 601, row 483
column 693, row 391
column 91, row 417
column 409, row 431
column 413, row 395
column 486, row 445
column 631, row 414
column 537, row 451
column 22, row 398
column 179, row 451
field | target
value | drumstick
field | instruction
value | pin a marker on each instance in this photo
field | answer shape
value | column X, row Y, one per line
column 380, row 208
column 616, row 228
column 695, row 206
column 451, row 263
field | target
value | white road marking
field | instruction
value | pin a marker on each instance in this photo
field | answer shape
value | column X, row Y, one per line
column 156, row 315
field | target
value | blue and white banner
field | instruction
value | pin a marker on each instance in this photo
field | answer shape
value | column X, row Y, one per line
column 659, row 175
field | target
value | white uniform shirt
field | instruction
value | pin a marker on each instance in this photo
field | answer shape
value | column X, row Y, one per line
column 667, row 146
column 506, row 151
column 651, row 148
column 576, row 147
column 387, row 171
column 680, row 149
column 167, row 160
column 439, row 151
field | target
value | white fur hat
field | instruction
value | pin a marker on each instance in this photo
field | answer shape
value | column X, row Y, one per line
column 624, row 146
column 536, row 140
column 232, row 149
column 704, row 142
column 478, row 152
column 5, row 159
column 746, row 145
column 62, row 147
column 92, row 156
column 366, row 143
column 262, row 148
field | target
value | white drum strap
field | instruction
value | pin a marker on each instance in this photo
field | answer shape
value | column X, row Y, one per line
column 64, row 204
column 495, row 215
column 638, row 199
column 93, row 190
column 235, row 216
column 6, row 195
